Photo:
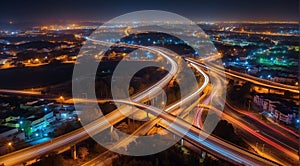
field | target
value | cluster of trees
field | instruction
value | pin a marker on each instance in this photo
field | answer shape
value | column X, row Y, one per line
column 225, row 131
column 172, row 156
column 239, row 94
column 50, row 160
column 83, row 151
column 65, row 128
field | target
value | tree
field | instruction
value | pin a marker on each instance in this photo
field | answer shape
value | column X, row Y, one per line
column 66, row 127
column 83, row 152
column 225, row 131
column 245, row 92
column 26, row 126
column 51, row 160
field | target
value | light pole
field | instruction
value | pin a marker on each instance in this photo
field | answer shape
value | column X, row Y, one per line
column 249, row 101
column 9, row 146
column 61, row 98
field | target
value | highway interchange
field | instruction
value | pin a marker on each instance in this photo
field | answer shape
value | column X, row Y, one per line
column 194, row 134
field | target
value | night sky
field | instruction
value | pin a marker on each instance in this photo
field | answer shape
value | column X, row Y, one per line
column 103, row 10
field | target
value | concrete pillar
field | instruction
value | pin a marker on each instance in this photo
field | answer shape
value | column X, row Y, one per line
column 181, row 141
column 73, row 152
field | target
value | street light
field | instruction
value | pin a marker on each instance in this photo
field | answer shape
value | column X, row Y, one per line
column 9, row 144
column 61, row 98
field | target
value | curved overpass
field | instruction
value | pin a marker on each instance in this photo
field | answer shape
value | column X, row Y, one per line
column 249, row 78
column 203, row 140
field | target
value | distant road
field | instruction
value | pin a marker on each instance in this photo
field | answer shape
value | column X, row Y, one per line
column 23, row 92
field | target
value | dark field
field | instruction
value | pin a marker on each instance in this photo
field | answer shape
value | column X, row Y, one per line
column 34, row 77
